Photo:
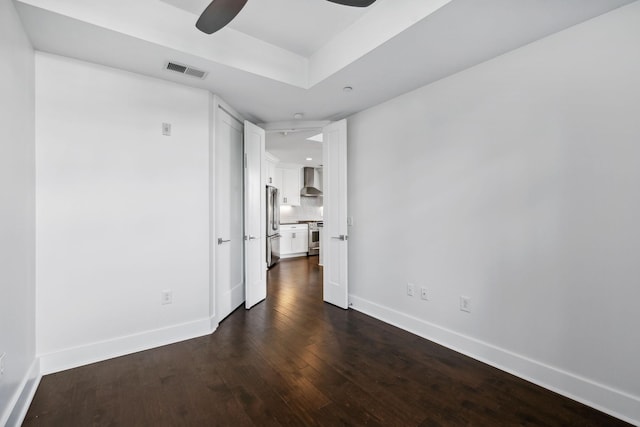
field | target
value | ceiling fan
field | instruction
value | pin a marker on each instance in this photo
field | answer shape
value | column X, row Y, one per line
column 220, row 12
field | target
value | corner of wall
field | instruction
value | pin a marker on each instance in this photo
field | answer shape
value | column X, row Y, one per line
column 17, row 204
column 21, row 401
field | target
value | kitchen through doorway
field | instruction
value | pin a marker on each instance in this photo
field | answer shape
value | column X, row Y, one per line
column 295, row 202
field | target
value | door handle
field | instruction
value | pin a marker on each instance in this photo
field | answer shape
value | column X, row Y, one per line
column 341, row 237
column 221, row 241
column 250, row 238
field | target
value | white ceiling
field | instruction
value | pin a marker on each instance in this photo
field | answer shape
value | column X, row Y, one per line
column 280, row 57
column 293, row 147
column 300, row 26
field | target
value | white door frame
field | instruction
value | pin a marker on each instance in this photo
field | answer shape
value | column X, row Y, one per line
column 217, row 103
column 338, row 293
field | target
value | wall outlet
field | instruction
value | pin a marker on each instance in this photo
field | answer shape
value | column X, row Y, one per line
column 166, row 129
column 411, row 289
column 424, row 294
column 166, row 297
column 465, row 304
column 2, row 364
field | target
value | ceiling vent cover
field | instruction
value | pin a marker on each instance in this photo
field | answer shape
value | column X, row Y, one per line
column 185, row 69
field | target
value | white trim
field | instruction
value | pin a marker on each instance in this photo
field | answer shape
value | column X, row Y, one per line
column 599, row 396
column 21, row 400
column 294, row 255
column 96, row 352
column 213, row 323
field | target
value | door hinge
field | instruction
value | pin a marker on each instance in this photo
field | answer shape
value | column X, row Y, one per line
column 245, row 160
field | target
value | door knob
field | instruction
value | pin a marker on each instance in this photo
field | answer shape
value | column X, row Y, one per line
column 341, row 237
column 221, row 241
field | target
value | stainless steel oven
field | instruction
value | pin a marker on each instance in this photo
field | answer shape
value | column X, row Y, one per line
column 314, row 239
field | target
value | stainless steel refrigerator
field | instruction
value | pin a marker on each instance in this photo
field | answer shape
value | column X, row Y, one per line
column 273, row 226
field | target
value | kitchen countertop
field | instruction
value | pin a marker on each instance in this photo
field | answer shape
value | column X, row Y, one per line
column 300, row 222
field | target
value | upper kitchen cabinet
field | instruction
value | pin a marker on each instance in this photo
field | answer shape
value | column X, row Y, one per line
column 270, row 169
column 288, row 180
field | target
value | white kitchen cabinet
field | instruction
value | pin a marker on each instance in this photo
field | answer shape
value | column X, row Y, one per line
column 294, row 241
column 270, row 169
column 289, row 182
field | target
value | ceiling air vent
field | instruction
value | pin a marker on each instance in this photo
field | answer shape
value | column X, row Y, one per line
column 185, row 69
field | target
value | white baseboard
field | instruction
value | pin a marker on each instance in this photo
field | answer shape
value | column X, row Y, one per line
column 599, row 396
column 22, row 398
column 295, row 255
column 213, row 323
column 237, row 297
column 103, row 350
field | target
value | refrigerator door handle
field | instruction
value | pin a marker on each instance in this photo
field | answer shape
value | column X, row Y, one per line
column 276, row 210
column 274, row 217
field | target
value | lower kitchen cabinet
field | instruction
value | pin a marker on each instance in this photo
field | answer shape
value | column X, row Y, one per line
column 294, row 241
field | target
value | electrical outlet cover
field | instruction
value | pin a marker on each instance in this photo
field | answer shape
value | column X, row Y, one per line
column 465, row 304
column 424, row 293
column 167, row 297
column 411, row 289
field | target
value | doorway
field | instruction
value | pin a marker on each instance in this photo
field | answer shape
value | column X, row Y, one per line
column 330, row 155
column 239, row 180
column 293, row 162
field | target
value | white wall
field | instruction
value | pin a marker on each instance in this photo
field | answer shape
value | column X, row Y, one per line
column 515, row 183
column 122, row 212
column 17, row 223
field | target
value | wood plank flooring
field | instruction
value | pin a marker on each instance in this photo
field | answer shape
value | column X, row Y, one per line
column 295, row 361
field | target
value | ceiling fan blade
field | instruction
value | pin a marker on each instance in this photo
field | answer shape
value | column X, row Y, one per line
column 355, row 3
column 218, row 14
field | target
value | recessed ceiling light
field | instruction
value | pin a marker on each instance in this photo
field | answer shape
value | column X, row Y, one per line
column 316, row 138
column 347, row 89
column 298, row 115
column 309, row 159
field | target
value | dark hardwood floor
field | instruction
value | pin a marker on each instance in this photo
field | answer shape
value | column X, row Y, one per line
column 293, row 360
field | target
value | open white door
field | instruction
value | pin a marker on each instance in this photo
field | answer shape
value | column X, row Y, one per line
column 255, row 257
column 336, row 242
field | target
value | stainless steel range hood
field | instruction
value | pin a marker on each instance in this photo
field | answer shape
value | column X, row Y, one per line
column 310, row 187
